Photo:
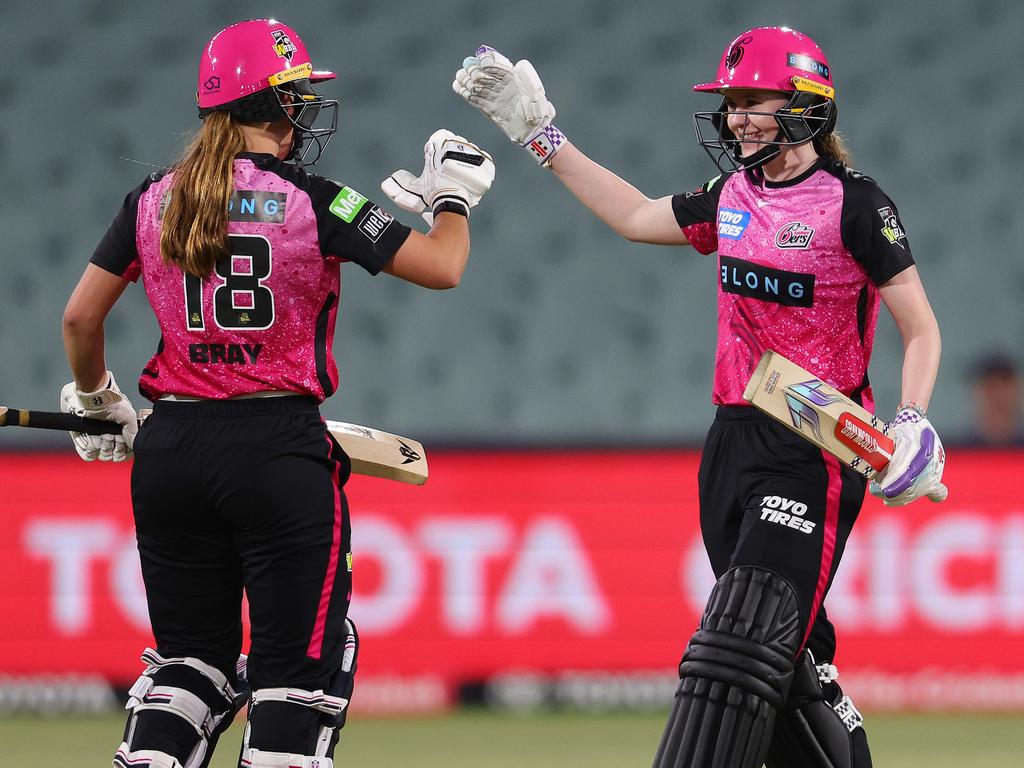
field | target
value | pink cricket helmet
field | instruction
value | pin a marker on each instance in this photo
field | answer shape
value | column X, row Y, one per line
column 259, row 70
column 775, row 59
column 251, row 56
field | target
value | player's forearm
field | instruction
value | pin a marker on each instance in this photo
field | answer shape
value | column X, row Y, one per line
column 450, row 234
column 83, row 343
column 905, row 297
column 435, row 260
column 612, row 199
column 922, row 350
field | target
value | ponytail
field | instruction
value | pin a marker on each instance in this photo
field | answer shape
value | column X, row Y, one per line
column 195, row 222
column 834, row 145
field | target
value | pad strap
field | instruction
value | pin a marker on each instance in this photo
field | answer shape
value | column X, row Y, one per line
column 848, row 713
column 155, row 661
column 146, row 695
column 259, row 759
column 143, row 758
column 318, row 700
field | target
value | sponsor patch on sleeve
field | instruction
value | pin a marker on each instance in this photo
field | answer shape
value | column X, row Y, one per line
column 347, row 204
column 375, row 222
column 892, row 230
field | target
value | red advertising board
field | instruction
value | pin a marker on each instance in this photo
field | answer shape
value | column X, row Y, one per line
column 548, row 562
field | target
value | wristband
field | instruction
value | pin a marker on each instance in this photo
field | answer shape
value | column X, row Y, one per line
column 451, row 205
column 910, row 405
column 102, row 396
column 545, row 144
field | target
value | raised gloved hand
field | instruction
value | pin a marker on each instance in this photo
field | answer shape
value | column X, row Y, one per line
column 513, row 97
column 915, row 469
column 456, row 174
column 108, row 403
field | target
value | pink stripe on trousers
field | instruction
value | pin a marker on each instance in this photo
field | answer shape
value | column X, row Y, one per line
column 828, row 545
column 317, row 640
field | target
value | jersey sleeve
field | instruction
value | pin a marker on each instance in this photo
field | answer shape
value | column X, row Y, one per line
column 117, row 252
column 696, row 213
column 352, row 227
column 872, row 230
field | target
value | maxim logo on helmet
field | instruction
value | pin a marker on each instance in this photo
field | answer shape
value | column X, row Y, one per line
column 283, row 45
column 212, row 83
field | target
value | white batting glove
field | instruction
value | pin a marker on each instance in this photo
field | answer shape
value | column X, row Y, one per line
column 107, row 403
column 456, row 174
column 918, row 459
column 512, row 96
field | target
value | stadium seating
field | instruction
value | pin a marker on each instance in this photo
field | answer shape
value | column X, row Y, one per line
column 560, row 331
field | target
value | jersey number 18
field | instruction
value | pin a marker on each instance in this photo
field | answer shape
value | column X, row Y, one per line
column 240, row 301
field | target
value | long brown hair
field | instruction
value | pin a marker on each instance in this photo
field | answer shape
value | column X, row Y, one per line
column 195, row 222
column 834, row 145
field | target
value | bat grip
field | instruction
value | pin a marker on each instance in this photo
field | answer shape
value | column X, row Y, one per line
column 59, row 421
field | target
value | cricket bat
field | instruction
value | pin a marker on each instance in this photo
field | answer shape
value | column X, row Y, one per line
column 381, row 454
column 820, row 413
column 373, row 453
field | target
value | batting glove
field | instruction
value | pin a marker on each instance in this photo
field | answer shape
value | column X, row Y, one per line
column 513, row 97
column 456, row 174
column 918, row 459
column 107, row 403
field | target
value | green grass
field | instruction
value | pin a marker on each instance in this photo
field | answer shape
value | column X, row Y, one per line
column 478, row 738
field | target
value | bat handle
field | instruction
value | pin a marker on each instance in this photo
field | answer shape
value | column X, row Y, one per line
column 60, row 421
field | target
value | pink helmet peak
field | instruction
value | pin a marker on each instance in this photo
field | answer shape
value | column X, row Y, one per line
column 776, row 59
column 250, row 56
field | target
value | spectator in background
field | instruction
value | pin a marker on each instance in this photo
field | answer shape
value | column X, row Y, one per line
column 996, row 388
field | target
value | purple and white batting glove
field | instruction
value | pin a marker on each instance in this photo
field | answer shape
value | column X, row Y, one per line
column 918, row 459
column 107, row 403
column 513, row 97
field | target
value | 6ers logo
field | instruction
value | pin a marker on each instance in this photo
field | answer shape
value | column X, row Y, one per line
column 794, row 235
column 736, row 52
column 283, row 46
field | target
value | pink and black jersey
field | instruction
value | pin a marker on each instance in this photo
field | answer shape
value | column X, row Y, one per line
column 264, row 320
column 799, row 266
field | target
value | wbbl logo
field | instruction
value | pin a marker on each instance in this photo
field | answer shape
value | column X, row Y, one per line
column 891, row 229
column 283, row 46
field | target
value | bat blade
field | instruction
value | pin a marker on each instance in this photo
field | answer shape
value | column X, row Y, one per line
column 820, row 413
column 380, row 454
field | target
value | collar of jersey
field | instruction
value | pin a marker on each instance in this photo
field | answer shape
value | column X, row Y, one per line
column 255, row 156
column 815, row 167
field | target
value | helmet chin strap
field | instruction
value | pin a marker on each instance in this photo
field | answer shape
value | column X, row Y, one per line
column 295, row 155
column 768, row 152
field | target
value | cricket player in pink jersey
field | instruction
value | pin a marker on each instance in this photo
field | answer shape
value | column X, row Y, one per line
column 808, row 249
column 236, row 483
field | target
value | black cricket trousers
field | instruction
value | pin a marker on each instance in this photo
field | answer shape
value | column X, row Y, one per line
column 770, row 498
column 245, row 494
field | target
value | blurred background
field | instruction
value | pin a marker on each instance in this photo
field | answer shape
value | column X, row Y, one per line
column 552, row 566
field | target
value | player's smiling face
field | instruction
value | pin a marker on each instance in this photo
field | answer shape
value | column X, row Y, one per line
column 751, row 116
